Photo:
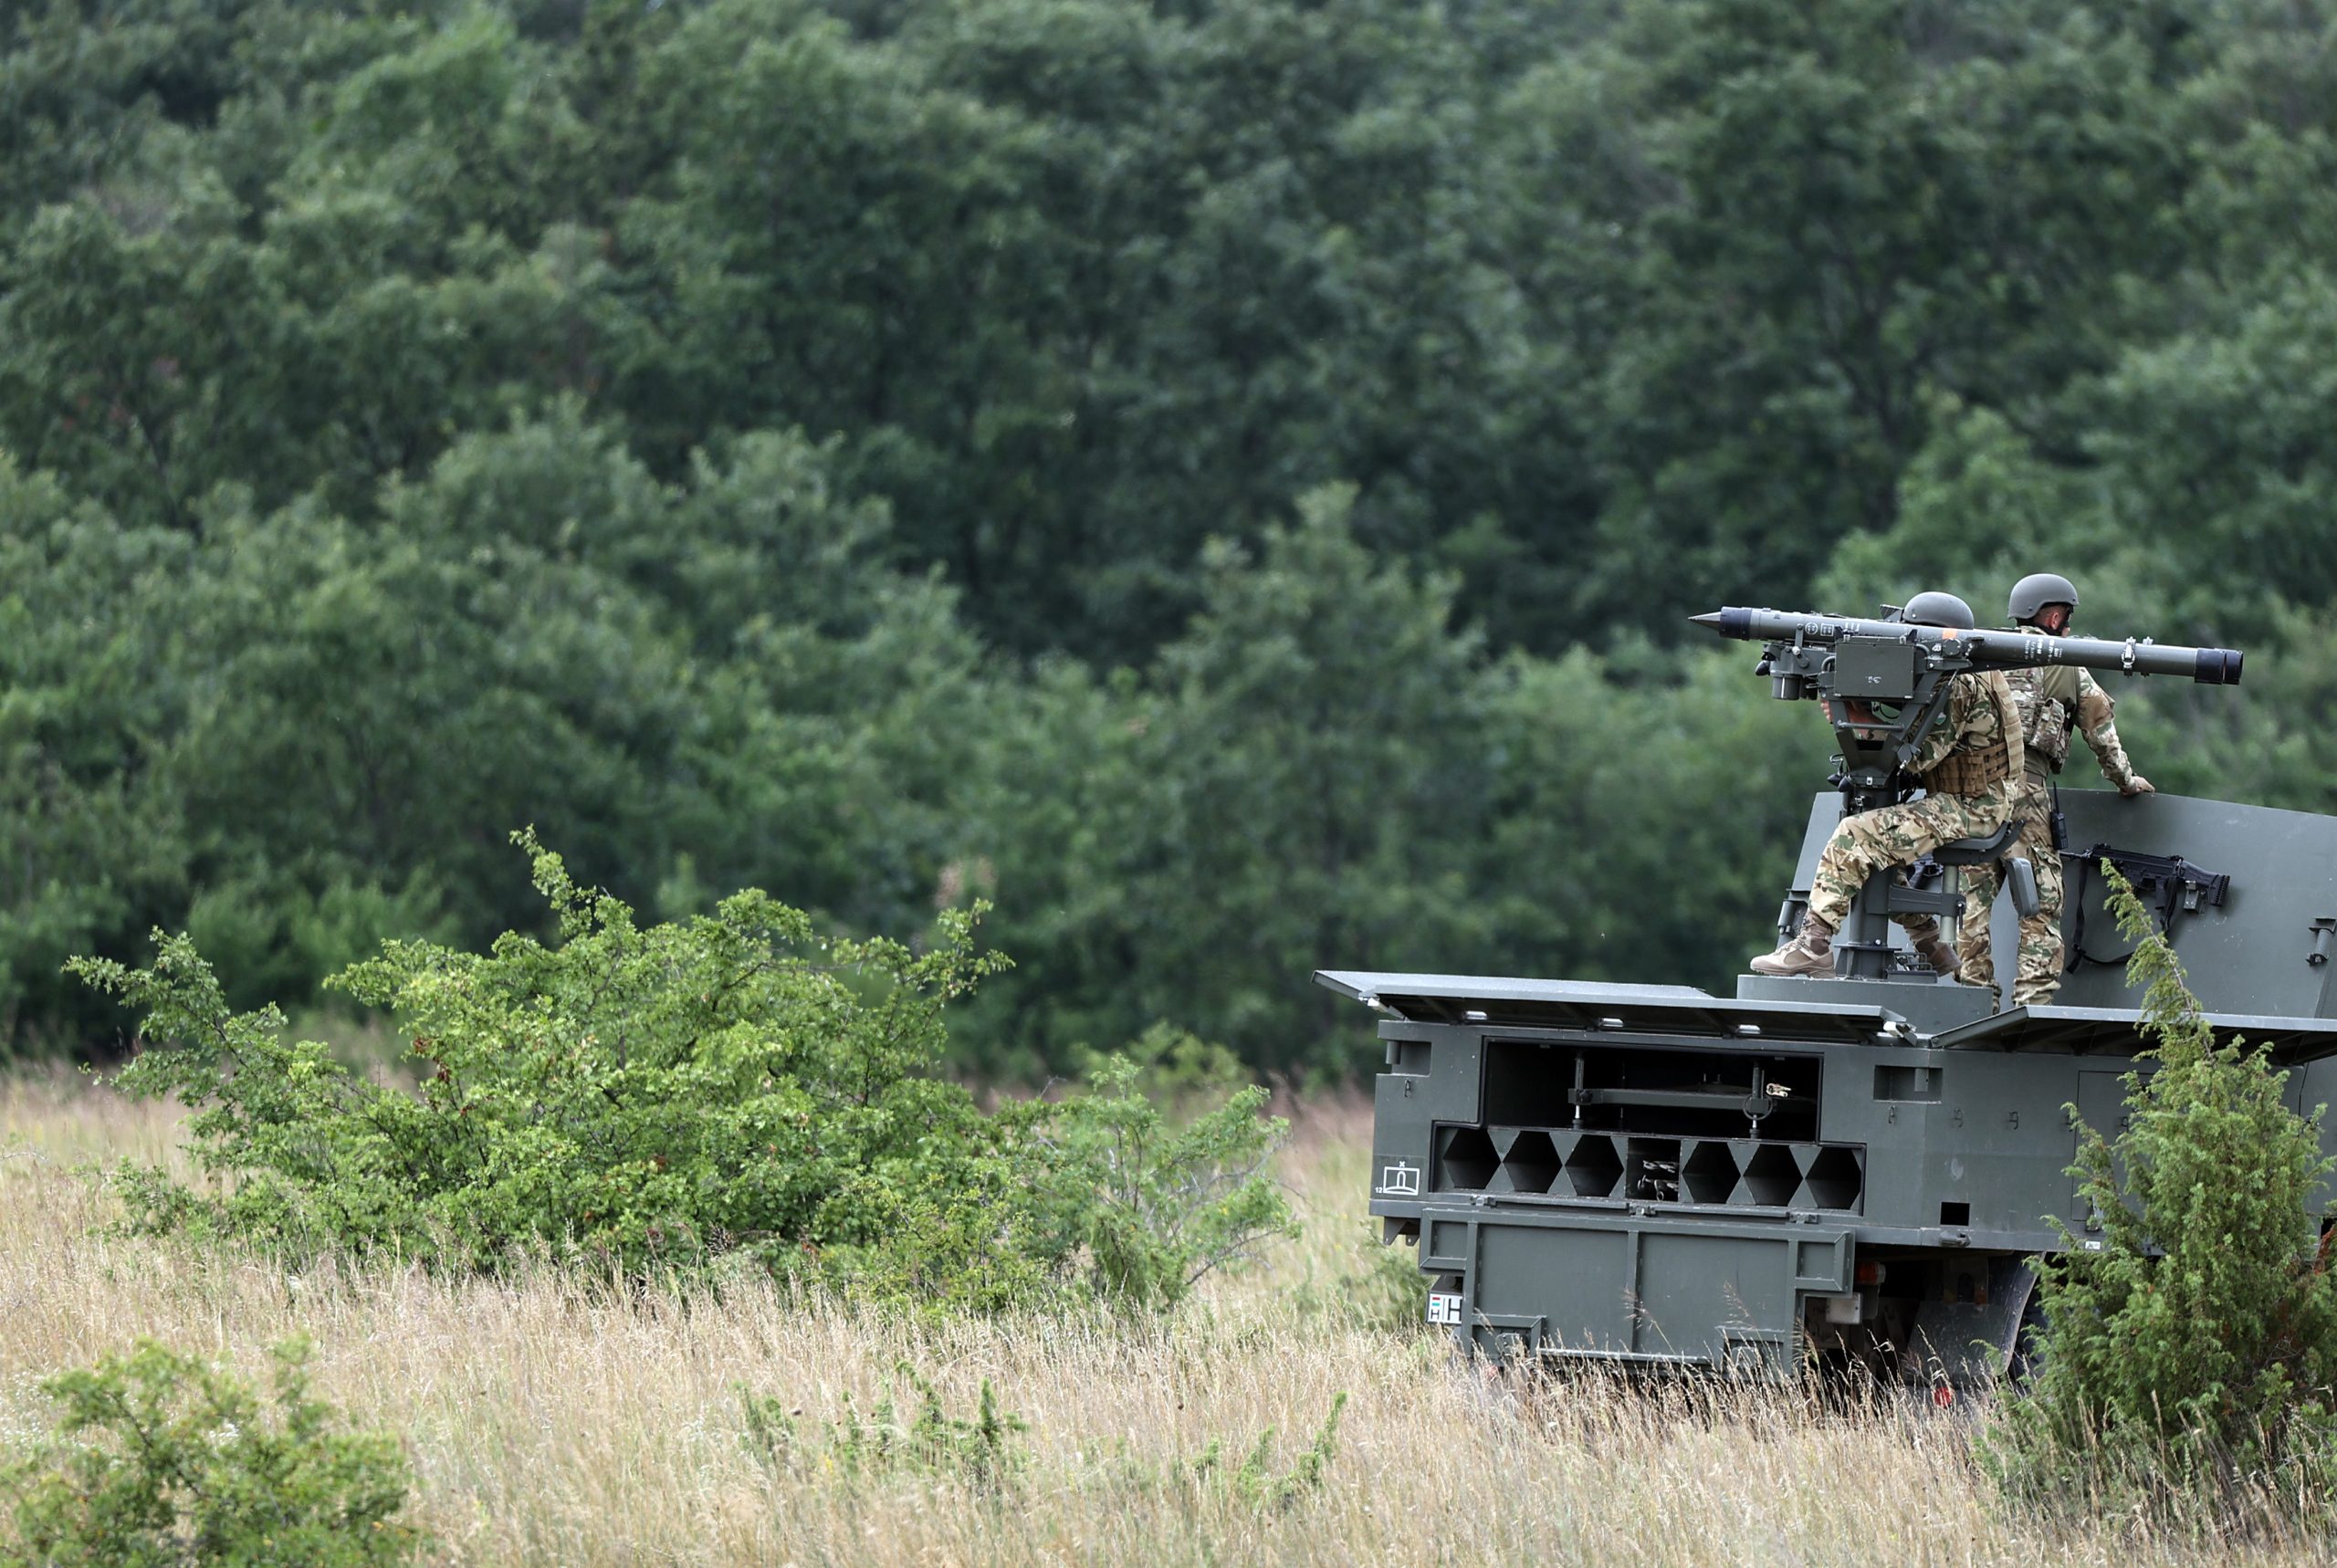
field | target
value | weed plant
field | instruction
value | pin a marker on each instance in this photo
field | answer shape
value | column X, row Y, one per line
column 983, row 1450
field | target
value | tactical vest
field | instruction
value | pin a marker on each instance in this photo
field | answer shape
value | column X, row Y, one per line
column 2048, row 700
column 1970, row 769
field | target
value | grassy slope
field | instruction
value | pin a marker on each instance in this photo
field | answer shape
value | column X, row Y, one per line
column 552, row 1424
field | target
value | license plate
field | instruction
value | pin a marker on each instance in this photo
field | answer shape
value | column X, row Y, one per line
column 1444, row 1308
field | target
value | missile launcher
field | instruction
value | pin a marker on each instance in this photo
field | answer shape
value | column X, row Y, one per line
column 1857, row 1166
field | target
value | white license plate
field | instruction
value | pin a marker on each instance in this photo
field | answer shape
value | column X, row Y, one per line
column 1444, row 1308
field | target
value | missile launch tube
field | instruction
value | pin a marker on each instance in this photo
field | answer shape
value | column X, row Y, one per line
column 1987, row 649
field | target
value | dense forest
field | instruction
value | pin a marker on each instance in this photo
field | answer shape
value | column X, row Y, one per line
column 1221, row 479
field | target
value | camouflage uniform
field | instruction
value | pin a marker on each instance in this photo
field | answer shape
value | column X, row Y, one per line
column 1967, row 766
column 2054, row 701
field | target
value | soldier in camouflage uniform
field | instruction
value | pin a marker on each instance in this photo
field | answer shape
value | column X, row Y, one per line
column 2054, row 701
column 1967, row 766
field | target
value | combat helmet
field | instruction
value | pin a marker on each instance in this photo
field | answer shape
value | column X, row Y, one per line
column 2034, row 593
column 1937, row 609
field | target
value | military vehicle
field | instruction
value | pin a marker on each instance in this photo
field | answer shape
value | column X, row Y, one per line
column 1857, row 1166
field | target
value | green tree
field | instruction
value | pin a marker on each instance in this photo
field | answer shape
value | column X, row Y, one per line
column 127, row 320
column 93, row 841
column 2192, row 1347
column 1294, row 784
column 1645, row 819
column 807, row 422
column 379, row 706
column 2206, row 435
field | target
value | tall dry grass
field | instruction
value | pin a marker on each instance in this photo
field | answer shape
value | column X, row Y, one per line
column 565, row 1422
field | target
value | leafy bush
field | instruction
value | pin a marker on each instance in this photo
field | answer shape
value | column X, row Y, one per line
column 1178, row 1069
column 1168, row 1204
column 1381, row 1289
column 2193, row 1355
column 161, row 1459
column 647, row 1099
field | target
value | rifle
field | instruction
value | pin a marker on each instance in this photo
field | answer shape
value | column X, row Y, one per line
column 2169, row 884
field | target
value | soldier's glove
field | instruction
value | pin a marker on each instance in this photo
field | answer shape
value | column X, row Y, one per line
column 2138, row 785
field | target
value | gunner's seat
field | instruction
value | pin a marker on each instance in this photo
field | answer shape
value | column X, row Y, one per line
column 1978, row 851
column 2019, row 876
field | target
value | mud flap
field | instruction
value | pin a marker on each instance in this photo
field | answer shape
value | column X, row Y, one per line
column 1963, row 1333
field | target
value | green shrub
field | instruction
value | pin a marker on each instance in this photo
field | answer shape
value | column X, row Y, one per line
column 991, row 1221
column 983, row 1450
column 649, row 1098
column 1168, row 1204
column 1178, row 1069
column 1381, row 1289
column 1255, row 1480
column 163, row 1460
column 2191, row 1358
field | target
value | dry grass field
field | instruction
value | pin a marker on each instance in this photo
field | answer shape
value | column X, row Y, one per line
column 551, row 1422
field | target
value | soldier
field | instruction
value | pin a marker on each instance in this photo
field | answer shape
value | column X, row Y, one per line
column 1924, row 933
column 1967, row 766
column 2053, row 702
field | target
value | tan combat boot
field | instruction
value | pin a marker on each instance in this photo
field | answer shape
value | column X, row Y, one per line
column 1811, row 952
column 1938, row 954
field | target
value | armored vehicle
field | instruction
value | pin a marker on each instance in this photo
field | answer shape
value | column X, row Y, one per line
column 1859, row 1165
